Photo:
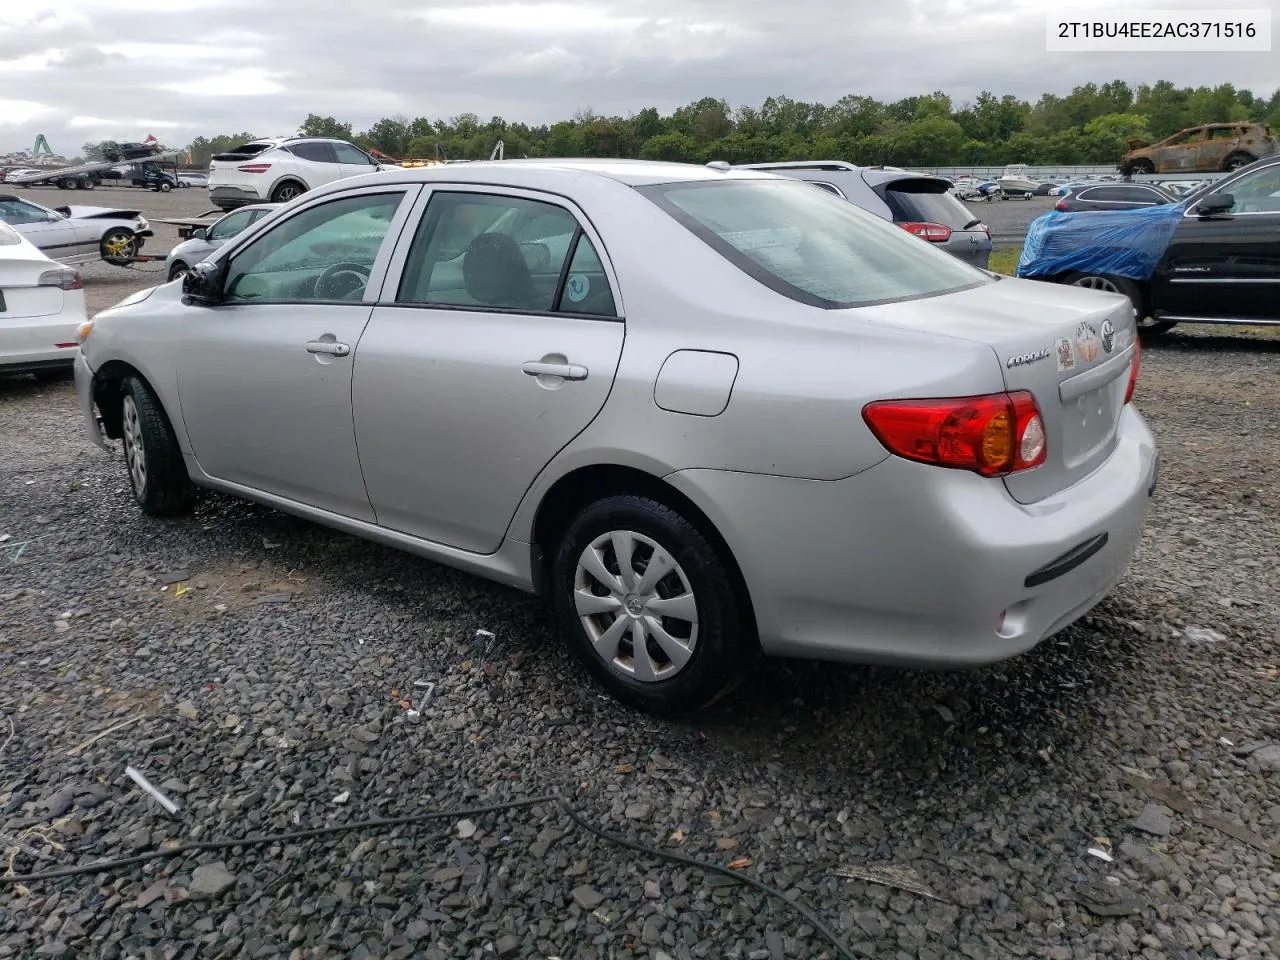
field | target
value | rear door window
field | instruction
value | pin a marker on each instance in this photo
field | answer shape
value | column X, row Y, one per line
column 922, row 201
column 315, row 152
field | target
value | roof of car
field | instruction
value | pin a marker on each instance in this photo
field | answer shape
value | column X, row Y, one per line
column 532, row 171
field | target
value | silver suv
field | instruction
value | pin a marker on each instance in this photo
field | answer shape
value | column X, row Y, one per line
column 918, row 203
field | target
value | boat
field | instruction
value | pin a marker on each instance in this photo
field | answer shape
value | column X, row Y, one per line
column 1014, row 182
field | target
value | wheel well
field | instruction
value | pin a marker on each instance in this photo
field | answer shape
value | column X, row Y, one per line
column 574, row 491
column 288, row 179
column 108, row 389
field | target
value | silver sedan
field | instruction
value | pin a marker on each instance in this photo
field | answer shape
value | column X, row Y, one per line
column 707, row 413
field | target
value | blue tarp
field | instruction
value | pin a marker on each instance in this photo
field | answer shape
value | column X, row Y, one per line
column 1122, row 243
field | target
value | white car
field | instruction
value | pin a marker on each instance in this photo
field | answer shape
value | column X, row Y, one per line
column 41, row 309
column 78, row 234
column 277, row 169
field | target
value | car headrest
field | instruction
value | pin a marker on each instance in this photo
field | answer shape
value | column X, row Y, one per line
column 495, row 271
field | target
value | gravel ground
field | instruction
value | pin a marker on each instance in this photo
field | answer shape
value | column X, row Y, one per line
column 256, row 668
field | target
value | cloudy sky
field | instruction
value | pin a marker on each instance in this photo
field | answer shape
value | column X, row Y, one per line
column 80, row 70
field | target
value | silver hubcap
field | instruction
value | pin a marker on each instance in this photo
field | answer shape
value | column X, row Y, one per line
column 636, row 606
column 1097, row 283
column 135, row 455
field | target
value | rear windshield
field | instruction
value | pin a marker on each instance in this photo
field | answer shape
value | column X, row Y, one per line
column 923, row 201
column 810, row 245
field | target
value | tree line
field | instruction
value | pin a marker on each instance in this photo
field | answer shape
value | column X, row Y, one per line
column 1091, row 125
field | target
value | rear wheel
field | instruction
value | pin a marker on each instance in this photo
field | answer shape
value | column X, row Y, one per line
column 289, row 190
column 650, row 606
column 1237, row 160
column 157, row 474
column 1111, row 284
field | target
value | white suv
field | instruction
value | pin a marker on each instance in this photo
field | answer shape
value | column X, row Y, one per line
column 277, row 169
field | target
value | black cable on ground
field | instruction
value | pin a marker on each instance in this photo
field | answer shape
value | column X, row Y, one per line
column 102, row 866
column 816, row 921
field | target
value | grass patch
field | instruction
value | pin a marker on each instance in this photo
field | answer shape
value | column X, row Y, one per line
column 1005, row 260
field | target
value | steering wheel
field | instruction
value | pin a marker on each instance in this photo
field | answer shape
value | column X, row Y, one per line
column 340, row 281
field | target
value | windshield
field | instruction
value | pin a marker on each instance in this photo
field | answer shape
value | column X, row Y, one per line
column 810, row 245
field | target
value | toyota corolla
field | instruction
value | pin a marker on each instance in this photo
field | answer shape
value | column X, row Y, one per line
column 707, row 413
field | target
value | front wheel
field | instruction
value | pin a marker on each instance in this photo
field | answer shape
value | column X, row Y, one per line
column 119, row 247
column 165, row 186
column 178, row 271
column 1141, row 167
column 157, row 473
column 650, row 606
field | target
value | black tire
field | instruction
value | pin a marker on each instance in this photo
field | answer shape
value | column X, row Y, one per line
column 1130, row 289
column 179, row 269
column 1237, row 160
column 288, row 190
column 165, row 186
column 1141, row 166
column 119, row 247
column 725, row 645
column 87, row 184
column 162, row 488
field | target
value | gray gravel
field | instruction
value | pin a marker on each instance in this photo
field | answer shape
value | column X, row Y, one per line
column 262, row 666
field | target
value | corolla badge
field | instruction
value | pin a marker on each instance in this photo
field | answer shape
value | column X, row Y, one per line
column 1022, row 359
column 1087, row 341
column 1108, row 336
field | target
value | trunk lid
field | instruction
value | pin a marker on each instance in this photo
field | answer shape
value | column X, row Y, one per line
column 20, row 298
column 1072, row 348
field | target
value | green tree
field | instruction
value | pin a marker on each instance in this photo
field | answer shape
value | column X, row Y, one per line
column 673, row 146
column 318, row 126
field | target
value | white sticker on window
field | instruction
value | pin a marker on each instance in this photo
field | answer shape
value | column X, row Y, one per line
column 577, row 287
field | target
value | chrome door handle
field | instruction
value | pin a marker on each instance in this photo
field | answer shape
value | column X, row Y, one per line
column 566, row 371
column 329, row 347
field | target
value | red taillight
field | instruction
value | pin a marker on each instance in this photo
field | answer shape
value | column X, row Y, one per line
column 933, row 232
column 65, row 279
column 254, row 167
column 993, row 435
column 1133, row 370
column 986, row 229
column 1061, row 205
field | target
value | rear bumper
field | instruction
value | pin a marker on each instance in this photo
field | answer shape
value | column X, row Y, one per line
column 32, row 343
column 84, row 391
column 911, row 565
column 228, row 198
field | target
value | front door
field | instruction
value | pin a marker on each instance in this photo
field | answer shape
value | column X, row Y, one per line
column 264, row 378
column 55, row 235
column 354, row 162
column 495, row 345
column 1179, row 153
column 1226, row 266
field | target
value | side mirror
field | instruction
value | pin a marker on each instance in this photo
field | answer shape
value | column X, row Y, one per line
column 203, row 283
column 200, row 233
column 1218, row 203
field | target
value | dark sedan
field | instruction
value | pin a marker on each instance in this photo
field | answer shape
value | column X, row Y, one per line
column 1112, row 196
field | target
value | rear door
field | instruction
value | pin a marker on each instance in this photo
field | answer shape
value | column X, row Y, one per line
column 494, row 344
column 1226, row 266
column 315, row 162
